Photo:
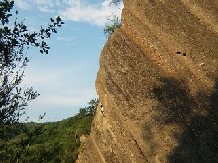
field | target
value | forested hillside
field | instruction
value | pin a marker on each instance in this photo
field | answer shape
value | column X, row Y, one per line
column 56, row 141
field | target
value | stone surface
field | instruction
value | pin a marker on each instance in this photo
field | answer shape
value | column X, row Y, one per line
column 158, row 83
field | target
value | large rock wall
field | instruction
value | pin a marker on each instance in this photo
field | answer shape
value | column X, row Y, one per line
column 159, row 106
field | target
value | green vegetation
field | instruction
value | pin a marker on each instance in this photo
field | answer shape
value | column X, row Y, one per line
column 15, row 40
column 58, row 142
column 114, row 21
column 116, row 2
column 31, row 142
column 114, row 24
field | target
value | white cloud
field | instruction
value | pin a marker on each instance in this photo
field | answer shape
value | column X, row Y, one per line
column 60, row 87
column 22, row 4
column 72, row 2
column 57, row 3
column 65, row 39
column 45, row 5
column 92, row 13
column 49, row 3
column 63, row 101
column 45, row 9
column 75, row 10
column 70, row 99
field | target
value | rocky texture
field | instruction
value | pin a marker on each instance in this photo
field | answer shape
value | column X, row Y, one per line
column 158, row 83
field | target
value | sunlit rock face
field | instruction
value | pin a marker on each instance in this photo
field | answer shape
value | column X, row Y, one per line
column 158, row 85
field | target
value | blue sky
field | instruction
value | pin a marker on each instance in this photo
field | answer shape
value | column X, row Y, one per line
column 65, row 78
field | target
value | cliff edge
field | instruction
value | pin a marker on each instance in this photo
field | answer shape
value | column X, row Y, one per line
column 158, row 85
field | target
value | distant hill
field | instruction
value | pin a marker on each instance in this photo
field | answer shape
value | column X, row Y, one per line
column 58, row 142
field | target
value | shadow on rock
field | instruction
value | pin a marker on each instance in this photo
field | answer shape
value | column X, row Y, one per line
column 175, row 101
column 198, row 142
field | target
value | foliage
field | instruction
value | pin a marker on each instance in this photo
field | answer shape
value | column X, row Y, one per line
column 59, row 143
column 116, row 2
column 114, row 24
column 114, row 20
column 91, row 108
column 15, row 40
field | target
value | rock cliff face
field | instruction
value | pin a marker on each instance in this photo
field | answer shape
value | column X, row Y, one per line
column 158, row 85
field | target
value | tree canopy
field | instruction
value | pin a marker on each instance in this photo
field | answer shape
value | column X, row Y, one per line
column 15, row 40
column 116, row 2
column 58, row 142
column 114, row 24
column 114, row 21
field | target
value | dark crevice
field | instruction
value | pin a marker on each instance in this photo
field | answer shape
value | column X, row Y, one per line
column 141, row 151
